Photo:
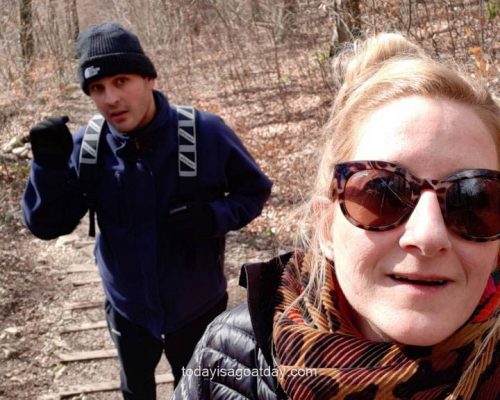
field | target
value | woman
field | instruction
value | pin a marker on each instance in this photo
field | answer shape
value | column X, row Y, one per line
column 396, row 295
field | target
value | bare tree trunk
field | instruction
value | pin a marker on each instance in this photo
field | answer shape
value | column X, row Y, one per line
column 256, row 10
column 354, row 15
column 26, row 32
column 290, row 8
column 73, row 23
column 54, row 39
column 347, row 23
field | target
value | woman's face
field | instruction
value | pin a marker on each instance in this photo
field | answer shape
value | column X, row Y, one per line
column 432, row 139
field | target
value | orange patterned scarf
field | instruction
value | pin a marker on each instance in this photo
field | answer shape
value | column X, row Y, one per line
column 321, row 355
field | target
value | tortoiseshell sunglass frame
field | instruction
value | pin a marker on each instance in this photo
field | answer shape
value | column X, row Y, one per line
column 345, row 170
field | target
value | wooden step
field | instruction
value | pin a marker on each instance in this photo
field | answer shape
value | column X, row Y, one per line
column 80, row 305
column 87, row 355
column 82, row 282
column 86, row 326
column 75, row 390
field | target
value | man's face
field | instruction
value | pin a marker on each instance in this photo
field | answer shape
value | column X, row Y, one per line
column 125, row 100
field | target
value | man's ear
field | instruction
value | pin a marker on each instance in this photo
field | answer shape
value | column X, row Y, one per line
column 322, row 208
column 150, row 82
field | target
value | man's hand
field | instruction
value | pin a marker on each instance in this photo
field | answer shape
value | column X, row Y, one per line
column 193, row 221
column 51, row 142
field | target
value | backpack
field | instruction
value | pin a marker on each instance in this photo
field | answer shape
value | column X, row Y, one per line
column 187, row 158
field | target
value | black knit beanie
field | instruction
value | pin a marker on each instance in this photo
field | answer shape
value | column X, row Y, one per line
column 109, row 49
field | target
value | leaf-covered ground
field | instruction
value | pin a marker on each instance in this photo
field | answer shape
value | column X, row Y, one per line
column 276, row 97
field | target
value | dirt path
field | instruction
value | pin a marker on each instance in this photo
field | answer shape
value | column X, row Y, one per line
column 46, row 285
column 44, row 351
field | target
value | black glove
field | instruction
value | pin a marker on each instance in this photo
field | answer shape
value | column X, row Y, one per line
column 193, row 221
column 51, row 142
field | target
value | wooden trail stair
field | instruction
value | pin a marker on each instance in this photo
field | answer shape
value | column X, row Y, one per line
column 62, row 391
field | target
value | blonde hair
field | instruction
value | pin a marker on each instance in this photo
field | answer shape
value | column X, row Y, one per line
column 370, row 74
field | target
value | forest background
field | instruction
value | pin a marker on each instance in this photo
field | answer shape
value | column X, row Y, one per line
column 263, row 65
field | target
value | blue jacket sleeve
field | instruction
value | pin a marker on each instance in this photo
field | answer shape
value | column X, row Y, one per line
column 53, row 202
column 247, row 187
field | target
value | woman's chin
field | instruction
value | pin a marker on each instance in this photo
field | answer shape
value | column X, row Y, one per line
column 413, row 331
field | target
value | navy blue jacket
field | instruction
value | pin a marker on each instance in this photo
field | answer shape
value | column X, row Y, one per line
column 151, row 275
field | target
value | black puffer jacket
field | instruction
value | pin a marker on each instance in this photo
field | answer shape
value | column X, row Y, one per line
column 233, row 359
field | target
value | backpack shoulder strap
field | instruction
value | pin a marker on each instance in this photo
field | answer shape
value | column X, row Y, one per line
column 187, row 152
column 87, row 170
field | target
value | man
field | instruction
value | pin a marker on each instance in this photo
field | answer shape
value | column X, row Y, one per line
column 160, row 252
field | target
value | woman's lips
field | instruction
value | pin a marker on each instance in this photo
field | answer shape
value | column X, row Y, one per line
column 419, row 280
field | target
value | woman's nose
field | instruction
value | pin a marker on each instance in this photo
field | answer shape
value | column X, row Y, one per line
column 425, row 230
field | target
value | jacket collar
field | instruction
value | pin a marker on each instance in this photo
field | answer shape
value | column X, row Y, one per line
column 261, row 281
column 148, row 136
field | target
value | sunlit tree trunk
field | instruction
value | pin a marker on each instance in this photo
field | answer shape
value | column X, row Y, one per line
column 347, row 23
column 290, row 8
column 73, row 23
column 256, row 11
column 26, row 32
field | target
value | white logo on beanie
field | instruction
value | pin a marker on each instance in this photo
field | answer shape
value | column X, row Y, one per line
column 91, row 72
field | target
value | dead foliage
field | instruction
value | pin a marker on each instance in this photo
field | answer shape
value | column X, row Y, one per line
column 262, row 65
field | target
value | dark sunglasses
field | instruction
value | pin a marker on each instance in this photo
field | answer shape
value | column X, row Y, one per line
column 379, row 195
